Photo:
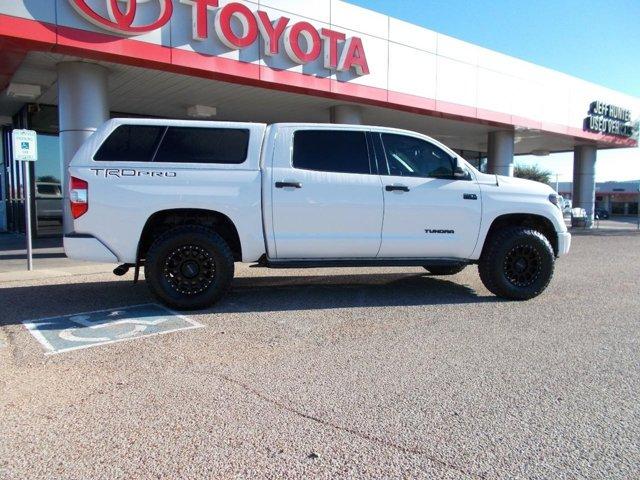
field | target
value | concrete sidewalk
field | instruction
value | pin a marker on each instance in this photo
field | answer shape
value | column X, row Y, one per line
column 619, row 223
column 49, row 260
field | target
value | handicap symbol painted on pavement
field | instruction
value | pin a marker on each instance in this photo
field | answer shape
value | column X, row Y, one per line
column 92, row 329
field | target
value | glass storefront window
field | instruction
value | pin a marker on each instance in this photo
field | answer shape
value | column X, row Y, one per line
column 48, row 186
column 3, row 187
column 45, row 173
column 14, row 205
column 477, row 159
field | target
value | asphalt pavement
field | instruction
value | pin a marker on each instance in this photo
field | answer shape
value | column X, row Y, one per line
column 340, row 373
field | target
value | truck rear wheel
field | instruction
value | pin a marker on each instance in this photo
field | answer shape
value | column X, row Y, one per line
column 444, row 269
column 189, row 268
column 517, row 263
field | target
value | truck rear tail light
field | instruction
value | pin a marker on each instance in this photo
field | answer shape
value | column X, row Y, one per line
column 79, row 197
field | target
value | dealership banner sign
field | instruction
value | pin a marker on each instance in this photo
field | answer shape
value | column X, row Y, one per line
column 609, row 119
column 237, row 27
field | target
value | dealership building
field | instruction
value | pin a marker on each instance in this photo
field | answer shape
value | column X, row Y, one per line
column 614, row 198
column 66, row 66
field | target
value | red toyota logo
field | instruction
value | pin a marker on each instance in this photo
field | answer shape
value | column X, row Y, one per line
column 122, row 21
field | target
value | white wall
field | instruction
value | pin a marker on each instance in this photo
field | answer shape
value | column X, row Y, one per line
column 403, row 58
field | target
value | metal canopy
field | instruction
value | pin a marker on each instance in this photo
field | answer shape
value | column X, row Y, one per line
column 141, row 91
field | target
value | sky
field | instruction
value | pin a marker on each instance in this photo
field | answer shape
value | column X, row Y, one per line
column 596, row 40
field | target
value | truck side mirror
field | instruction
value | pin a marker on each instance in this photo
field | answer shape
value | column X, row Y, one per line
column 459, row 171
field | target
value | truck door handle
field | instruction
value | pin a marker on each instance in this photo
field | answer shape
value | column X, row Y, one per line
column 288, row 185
column 396, row 188
column 470, row 196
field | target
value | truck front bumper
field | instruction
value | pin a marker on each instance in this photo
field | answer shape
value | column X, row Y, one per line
column 88, row 248
column 564, row 243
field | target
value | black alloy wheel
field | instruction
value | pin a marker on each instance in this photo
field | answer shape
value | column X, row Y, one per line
column 522, row 265
column 517, row 263
column 189, row 267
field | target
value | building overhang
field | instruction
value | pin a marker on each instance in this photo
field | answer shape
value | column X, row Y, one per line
column 21, row 35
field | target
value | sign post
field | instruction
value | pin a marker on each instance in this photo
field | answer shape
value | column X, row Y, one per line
column 25, row 150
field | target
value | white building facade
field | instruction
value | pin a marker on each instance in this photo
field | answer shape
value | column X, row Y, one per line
column 68, row 65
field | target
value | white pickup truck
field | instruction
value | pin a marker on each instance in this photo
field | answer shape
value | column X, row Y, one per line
column 187, row 199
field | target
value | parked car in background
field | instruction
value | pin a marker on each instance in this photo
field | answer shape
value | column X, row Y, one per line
column 49, row 201
column 579, row 217
column 561, row 204
column 601, row 213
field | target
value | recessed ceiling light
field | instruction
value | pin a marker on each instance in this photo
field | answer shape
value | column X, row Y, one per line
column 540, row 153
column 202, row 111
column 24, row 91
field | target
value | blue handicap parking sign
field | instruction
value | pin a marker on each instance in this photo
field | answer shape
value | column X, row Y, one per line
column 84, row 330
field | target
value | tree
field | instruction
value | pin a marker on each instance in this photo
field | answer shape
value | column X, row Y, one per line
column 532, row 172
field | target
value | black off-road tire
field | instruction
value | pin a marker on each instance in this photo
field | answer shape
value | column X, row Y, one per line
column 185, row 251
column 442, row 270
column 517, row 263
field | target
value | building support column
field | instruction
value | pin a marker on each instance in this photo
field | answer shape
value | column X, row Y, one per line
column 500, row 153
column 347, row 115
column 82, row 107
column 584, row 180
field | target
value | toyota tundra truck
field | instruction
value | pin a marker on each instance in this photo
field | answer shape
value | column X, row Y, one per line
column 185, row 200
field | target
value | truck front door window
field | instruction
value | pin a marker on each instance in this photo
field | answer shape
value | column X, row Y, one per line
column 412, row 157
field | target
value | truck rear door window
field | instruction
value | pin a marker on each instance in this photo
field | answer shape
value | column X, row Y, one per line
column 130, row 143
column 331, row 151
column 204, row 145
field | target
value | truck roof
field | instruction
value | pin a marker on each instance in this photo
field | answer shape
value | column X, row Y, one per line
column 112, row 124
column 174, row 123
column 189, row 123
column 115, row 122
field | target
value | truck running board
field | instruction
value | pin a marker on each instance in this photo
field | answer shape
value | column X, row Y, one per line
column 361, row 262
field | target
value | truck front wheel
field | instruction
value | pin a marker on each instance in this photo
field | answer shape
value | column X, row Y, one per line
column 517, row 263
column 189, row 267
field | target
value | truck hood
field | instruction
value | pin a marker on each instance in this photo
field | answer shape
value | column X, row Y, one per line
column 525, row 185
column 520, row 184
